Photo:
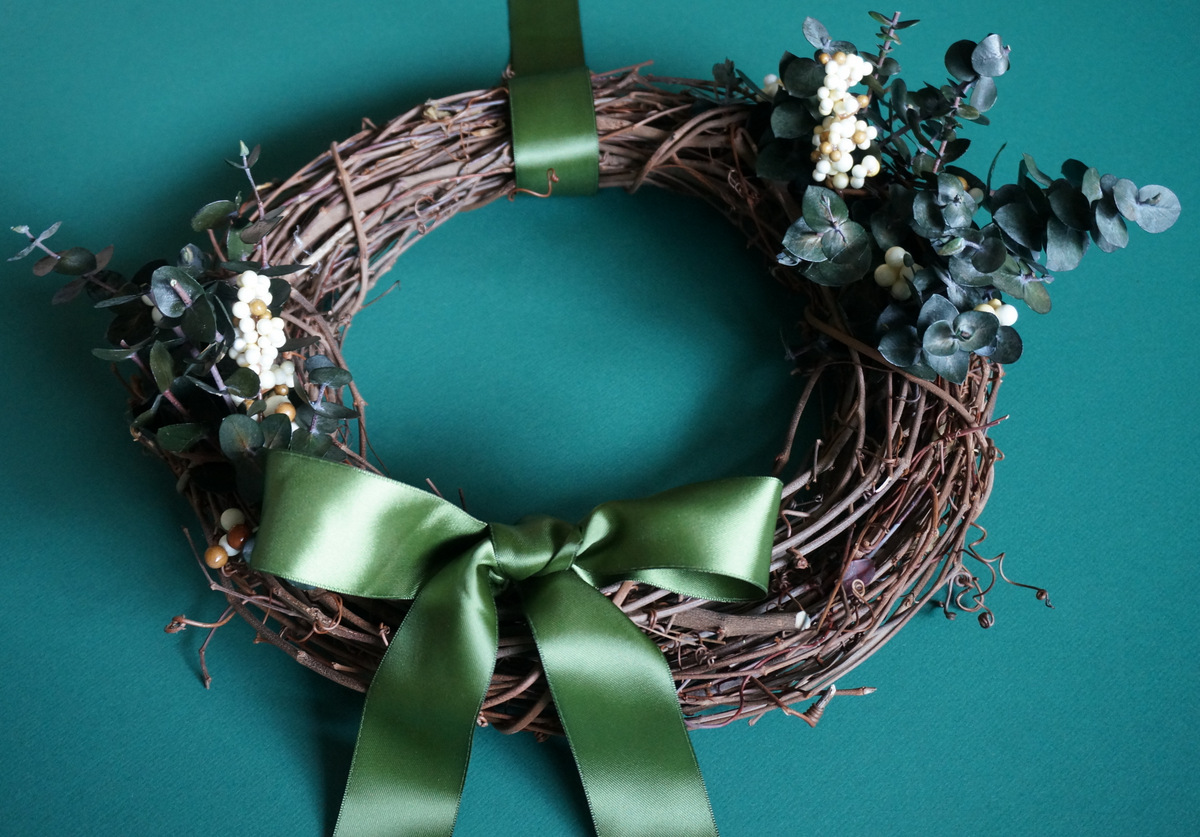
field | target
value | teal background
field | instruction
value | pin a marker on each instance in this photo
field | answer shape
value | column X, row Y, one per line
column 637, row 348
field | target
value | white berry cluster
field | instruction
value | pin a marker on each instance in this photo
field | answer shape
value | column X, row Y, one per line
column 1005, row 313
column 259, row 335
column 841, row 132
column 896, row 271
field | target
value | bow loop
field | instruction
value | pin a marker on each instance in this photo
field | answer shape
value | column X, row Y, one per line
column 538, row 545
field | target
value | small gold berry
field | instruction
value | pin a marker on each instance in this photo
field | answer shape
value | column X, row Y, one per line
column 823, row 58
column 288, row 410
column 216, row 557
column 259, row 308
column 281, row 389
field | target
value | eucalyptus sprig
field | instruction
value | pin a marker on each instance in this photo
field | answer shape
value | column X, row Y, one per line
column 198, row 392
column 876, row 174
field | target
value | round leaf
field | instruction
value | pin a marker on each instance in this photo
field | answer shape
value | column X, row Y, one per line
column 1158, row 208
column 75, row 261
column 900, row 346
column 952, row 367
column 975, row 329
column 1064, row 246
column 983, row 96
column 212, row 214
column 958, row 60
column 333, row 376
column 243, row 383
column 1037, row 297
column 1069, row 205
column 939, row 339
column 240, row 436
column 173, row 290
column 179, row 437
column 990, row 57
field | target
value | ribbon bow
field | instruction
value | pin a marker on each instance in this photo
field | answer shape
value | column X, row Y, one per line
column 357, row 533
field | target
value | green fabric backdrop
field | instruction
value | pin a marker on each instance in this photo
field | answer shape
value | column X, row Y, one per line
column 644, row 309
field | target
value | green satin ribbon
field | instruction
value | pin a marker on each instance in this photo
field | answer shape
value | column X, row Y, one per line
column 550, row 98
column 353, row 532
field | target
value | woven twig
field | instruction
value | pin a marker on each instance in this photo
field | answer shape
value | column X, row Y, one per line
column 878, row 516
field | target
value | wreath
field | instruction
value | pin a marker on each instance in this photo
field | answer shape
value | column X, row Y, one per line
column 908, row 267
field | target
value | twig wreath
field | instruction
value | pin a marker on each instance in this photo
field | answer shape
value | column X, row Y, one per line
column 902, row 261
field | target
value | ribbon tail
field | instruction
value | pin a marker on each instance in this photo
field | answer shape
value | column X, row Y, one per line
column 410, row 761
column 617, row 703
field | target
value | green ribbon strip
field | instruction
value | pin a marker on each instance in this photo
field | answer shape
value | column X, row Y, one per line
column 550, row 97
column 353, row 532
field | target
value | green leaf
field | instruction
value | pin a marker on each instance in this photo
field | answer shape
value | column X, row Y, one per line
column 1090, row 185
column 1006, row 348
column 990, row 255
column 975, row 329
column 940, row 340
column 333, row 376
column 169, row 286
column 1037, row 297
column 1125, row 196
column 310, row 445
column 790, row 119
column 240, row 436
column 114, row 355
column 1064, row 246
column 900, row 346
column 951, row 248
column 243, row 383
column 1029, row 168
column 1069, row 205
column 823, row 209
column 952, row 367
column 936, row 309
column 801, row 78
column 259, row 229
column 1110, row 225
column 955, row 149
column 114, row 301
column 162, row 366
column 179, row 437
column 75, row 261
column 277, row 431
column 1158, row 208
column 1021, row 223
column 958, row 60
column 983, row 95
column 1074, row 170
column 235, row 248
column 803, row 243
column 281, row 290
column 990, row 57
column 816, row 33
column 212, row 214
column 332, row 410
column 200, row 322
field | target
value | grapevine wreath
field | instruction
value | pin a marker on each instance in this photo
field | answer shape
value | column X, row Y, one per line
column 908, row 268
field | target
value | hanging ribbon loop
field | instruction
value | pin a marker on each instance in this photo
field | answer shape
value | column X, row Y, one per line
column 360, row 534
column 550, row 99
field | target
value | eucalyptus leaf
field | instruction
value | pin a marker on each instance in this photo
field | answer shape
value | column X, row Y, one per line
column 972, row 113
column 1110, row 225
column 990, row 255
column 277, row 431
column 1021, row 223
column 332, row 376
column 114, row 301
column 212, row 214
column 309, row 444
column 1074, row 170
column 243, row 383
column 823, row 209
column 816, row 33
column 1158, row 208
column 297, row 343
column 936, row 309
column 900, row 346
column 1090, row 185
column 1069, row 205
column 235, row 247
column 958, row 61
column 1029, row 167
column 173, row 289
column 955, row 149
column 240, row 436
column 990, row 57
column 75, row 261
column 162, row 366
column 983, row 95
column 952, row 367
column 790, row 119
column 1037, row 297
column 199, row 322
column 177, row 438
column 317, row 362
column 333, row 410
column 1125, row 193
column 952, row 247
column 115, row 355
column 802, row 77
column 1064, row 246
column 1006, row 348
column 975, row 329
column 804, row 245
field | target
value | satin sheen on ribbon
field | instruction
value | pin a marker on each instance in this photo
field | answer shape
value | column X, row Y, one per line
column 550, row 99
column 353, row 532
